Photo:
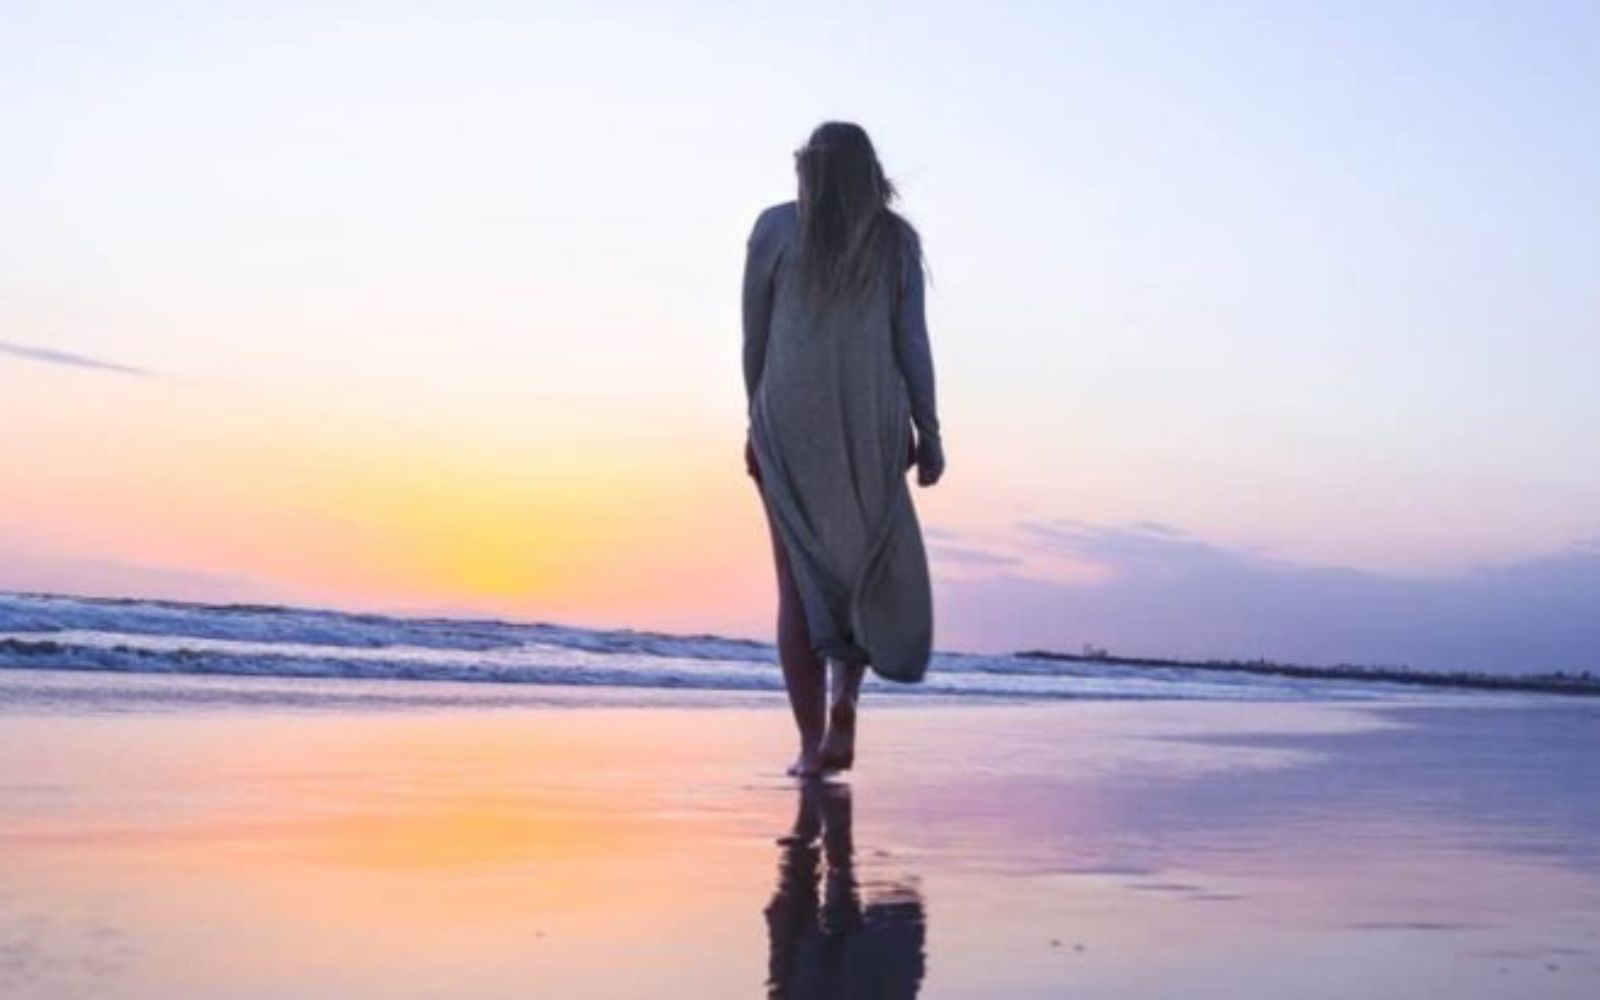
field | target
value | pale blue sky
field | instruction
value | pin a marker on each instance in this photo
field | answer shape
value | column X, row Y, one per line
column 1314, row 281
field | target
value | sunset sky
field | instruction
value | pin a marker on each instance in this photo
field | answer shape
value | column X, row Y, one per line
column 1260, row 328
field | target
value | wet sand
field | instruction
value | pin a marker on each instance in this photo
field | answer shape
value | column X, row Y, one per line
column 166, row 837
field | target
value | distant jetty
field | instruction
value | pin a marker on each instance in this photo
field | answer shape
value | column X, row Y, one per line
column 1557, row 682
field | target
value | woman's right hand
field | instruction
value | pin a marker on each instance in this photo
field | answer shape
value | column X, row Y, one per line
column 930, row 459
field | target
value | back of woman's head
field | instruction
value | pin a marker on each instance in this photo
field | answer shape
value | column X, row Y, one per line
column 849, row 237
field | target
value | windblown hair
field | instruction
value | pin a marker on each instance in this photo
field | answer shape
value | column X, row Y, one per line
column 849, row 236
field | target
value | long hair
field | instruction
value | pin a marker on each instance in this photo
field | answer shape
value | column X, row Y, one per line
column 849, row 236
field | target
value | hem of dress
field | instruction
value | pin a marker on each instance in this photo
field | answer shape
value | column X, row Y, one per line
column 843, row 650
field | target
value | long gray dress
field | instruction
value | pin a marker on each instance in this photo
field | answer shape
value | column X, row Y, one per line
column 833, row 393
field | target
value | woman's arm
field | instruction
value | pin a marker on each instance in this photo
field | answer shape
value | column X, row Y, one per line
column 757, row 305
column 915, row 358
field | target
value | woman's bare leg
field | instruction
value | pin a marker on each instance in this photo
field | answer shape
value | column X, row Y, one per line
column 838, row 750
column 802, row 670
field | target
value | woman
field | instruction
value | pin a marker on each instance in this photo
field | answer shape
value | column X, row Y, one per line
column 837, row 371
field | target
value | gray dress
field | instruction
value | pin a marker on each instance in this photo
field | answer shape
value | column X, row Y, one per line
column 833, row 393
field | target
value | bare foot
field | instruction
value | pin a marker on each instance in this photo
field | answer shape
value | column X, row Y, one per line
column 807, row 765
column 838, row 751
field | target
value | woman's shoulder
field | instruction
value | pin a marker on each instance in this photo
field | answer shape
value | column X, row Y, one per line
column 903, row 228
column 782, row 210
column 774, row 218
column 907, row 244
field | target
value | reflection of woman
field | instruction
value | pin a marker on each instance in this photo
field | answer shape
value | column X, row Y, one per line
column 837, row 371
column 826, row 944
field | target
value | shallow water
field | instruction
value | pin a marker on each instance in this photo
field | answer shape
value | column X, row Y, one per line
column 171, row 836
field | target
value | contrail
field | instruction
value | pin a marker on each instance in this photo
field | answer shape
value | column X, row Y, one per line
column 53, row 357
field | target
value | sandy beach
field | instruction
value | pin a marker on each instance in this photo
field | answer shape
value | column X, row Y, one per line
column 250, row 837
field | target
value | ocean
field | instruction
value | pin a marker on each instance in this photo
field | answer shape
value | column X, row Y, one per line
column 46, row 632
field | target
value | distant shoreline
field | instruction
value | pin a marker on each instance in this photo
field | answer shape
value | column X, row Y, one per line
column 1557, row 682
